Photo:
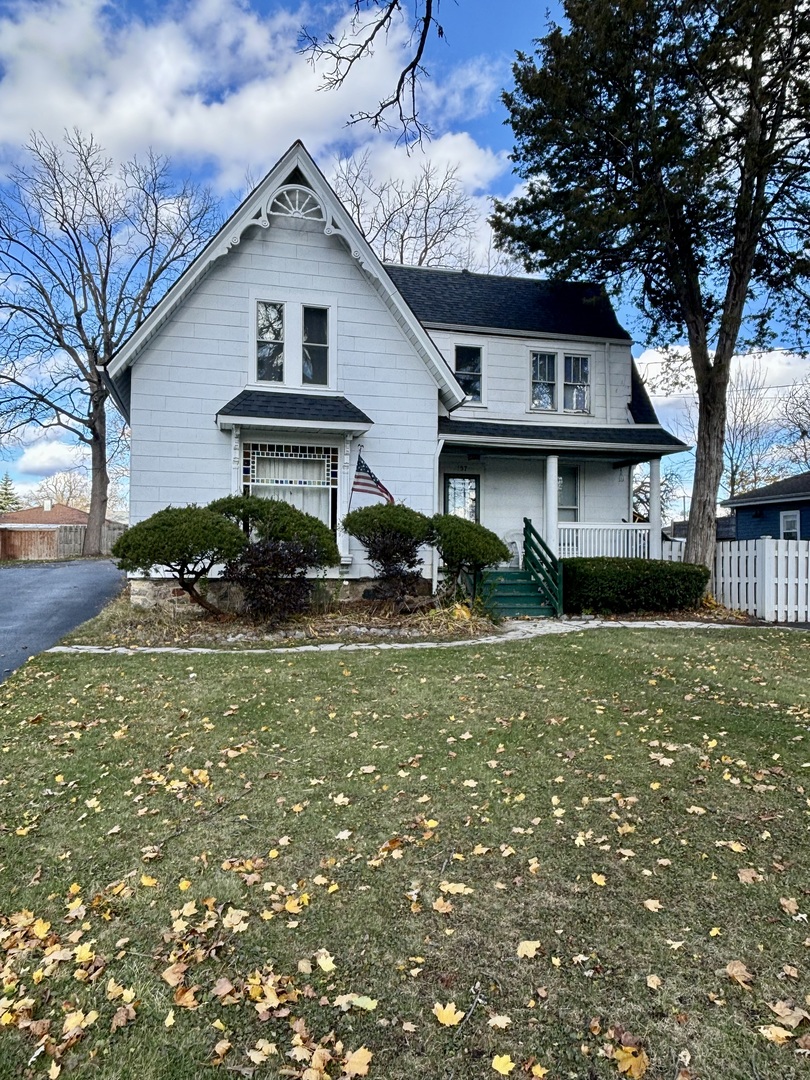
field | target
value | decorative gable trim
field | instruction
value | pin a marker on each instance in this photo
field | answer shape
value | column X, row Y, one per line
column 295, row 186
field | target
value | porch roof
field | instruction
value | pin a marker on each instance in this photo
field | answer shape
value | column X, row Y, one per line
column 635, row 440
column 274, row 408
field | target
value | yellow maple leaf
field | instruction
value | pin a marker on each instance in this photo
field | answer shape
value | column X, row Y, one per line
column 147, row 881
column 357, row 1063
column 653, row 905
column 447, row 1015
column 41, row 928
column 539, row 1070
column 184, row 884
column 503, row 1064
column 455, row 888
column 499, row 1021
column 632, row 1061
column 325, row 960
column 528, row 949
column 598, row 879
column 169, row 1021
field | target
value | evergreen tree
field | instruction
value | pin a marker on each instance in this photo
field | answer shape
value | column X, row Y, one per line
column 9, row 499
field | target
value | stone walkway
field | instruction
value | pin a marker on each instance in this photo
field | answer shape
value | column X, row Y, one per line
column 513, row 631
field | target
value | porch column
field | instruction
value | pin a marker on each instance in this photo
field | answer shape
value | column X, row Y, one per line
column 551, row 536
column 237, row 479
column 655, row 508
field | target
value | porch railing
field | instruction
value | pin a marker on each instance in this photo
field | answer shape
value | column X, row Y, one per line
column 543, row 566
column 582, row 539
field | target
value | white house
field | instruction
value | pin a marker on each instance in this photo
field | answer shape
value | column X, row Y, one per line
column 287, row 346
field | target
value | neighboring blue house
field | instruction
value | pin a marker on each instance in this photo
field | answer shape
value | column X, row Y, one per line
column 780, row 510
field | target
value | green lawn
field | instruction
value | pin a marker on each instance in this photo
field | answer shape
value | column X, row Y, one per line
column 281, row 865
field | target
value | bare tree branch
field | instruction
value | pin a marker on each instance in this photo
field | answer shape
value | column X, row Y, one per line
column 86, row 251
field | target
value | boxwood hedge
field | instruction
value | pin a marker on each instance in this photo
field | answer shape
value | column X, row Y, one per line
column 619, row 586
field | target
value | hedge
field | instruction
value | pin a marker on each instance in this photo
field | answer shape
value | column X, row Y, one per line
column 392, row 535
column 620, row 586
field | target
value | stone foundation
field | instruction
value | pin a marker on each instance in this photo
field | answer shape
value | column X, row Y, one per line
column 166, row 594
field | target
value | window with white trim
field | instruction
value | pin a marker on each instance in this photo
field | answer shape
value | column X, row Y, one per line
column 461, row 496
column 470, row 370
column 568, row 493
column 544, row 380
column 304, row 476
column 315, row 347
column 269, row 342
column 789, row 525
column 576, row 386
column 295, row 344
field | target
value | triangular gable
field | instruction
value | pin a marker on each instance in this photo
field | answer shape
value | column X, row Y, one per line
column 295, row 172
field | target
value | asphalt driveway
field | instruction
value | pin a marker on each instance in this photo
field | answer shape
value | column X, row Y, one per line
column 41, row 602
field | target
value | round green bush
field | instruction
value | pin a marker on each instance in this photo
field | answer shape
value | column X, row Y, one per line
column 281, row 521
column 392, row 535
column 188, row 540
column 465, row 546
column 246, row 511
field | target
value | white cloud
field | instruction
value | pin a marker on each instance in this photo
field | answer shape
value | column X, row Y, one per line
column 214, row 84
column 48, row 456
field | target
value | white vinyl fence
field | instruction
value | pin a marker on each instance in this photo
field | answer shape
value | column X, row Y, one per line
column 766, row 578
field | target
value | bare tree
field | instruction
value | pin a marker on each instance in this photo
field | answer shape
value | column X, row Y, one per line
column 86, row 251
column 427, row 221
column 670, row 486
column 753, row 448
column 370, row 24
column 795, row 420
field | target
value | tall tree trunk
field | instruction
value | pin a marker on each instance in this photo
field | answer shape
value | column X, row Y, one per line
column 702, row 531
column 99, row 478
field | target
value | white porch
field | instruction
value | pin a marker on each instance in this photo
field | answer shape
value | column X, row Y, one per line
column 590, row 539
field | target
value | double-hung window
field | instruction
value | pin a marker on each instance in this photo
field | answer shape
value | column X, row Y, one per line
column 544, row 380
column 568, row 493
column 269, row 342
column 469, row 370
column 315, row 347
column 789, row 525
column 577, row 384
column 293, row 343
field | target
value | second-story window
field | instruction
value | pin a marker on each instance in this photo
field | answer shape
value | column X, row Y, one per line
column 544, row 380
column 469, row 370
column 270, row 342
column 577, row 385
column 315, row 347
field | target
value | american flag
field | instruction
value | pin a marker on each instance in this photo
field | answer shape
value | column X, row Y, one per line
column 367, row 483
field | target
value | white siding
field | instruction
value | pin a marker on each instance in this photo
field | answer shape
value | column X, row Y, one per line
column 507, row 369
column 203, row 357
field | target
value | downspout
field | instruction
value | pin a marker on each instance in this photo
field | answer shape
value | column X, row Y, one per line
column 434, row 558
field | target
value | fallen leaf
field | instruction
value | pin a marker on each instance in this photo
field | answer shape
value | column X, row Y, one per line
column 169, row 1021
column 775, row 1034
column 357, row 1064
column 528, row 949
column 632, row 1060
column 598, row 879
column 654, row 982
column 653, row 905
column 499, row 1021
column 503, row 1064
column 789, row 905
column 739, row 973
column 447, row 1015
column 748, row 876
column 148, row 882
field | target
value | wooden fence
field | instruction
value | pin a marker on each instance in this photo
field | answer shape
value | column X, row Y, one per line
column 766, row 578
column 33, row 542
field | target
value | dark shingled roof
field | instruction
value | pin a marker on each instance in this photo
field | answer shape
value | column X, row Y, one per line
column 725, row 528
column 623, row 437
column 795, row 487
column 275, row 405
column 460, row 298
column 641, row 408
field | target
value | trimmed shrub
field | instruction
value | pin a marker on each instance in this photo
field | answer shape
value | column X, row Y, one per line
column 272, row 576
column 281, row 521
column 392, row 535
column 188, row 540
column 246, row 511
column 619, row 586
column 465, row 546
column 272, row 570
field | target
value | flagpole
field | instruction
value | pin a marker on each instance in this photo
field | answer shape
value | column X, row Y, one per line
column 351, row 489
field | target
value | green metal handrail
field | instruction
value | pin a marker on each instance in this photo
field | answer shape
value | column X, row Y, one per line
column 543, row 566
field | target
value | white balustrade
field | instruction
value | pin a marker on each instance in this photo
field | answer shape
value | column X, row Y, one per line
column 588, row 540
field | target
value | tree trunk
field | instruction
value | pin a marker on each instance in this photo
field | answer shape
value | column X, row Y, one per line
column 100, row 480
column 702, row 530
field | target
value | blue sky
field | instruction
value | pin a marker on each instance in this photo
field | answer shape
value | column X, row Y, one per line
column 219, row 86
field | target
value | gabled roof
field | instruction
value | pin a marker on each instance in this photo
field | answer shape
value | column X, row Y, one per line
column 296, row 166
column 793, row 489
column 489, row 302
